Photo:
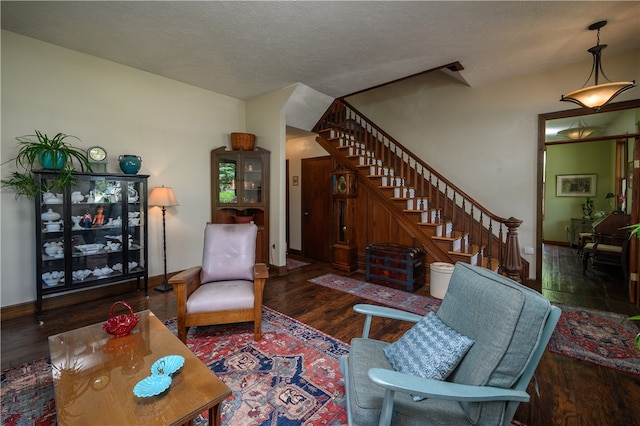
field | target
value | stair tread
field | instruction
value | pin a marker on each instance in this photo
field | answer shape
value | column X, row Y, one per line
column 431, row 224
column 473, row 249
column 457, row 235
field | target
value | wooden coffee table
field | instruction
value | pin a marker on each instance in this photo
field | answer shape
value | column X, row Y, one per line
column 94, row 375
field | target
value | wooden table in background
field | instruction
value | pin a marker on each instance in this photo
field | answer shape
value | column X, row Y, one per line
column 94, row 375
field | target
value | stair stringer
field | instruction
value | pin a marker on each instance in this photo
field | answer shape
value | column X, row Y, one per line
column 411, row 227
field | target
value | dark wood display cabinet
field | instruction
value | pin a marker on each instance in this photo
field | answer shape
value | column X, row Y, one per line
column 240, row 192
column 92, row 234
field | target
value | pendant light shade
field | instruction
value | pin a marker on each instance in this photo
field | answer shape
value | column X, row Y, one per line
column 598, row 95
column 580, row 132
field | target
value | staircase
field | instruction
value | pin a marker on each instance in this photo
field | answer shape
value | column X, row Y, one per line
column 438, row 216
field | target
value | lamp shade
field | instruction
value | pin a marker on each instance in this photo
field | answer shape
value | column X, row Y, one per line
column 595, row 97
column 162, row 196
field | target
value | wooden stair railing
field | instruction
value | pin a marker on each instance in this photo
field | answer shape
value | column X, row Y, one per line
column 452, row 226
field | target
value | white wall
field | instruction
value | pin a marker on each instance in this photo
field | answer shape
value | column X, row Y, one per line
column 266, row 119
column 484, row 139
column 171, row 125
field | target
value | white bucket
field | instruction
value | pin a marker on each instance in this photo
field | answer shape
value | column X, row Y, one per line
column 440, row 276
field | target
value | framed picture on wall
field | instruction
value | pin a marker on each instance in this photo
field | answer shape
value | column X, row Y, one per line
column 576, row 185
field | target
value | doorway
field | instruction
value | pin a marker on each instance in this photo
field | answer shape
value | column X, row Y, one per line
column 615, row 127
column 317, row 211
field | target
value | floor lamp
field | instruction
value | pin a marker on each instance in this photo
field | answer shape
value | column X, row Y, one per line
column 161, row 196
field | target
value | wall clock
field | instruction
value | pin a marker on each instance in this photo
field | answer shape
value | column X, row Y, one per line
column 344, row 183
column 97, row 157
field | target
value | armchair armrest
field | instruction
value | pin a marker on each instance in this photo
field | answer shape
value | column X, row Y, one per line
column 260, row 271
column 185, row 283
column 380, row 311
column 260, row 275
column 429, row 388
column 186, row 277
column 613, row 239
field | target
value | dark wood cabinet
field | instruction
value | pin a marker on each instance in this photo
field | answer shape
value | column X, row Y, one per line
column 92, row 234
column 240, row 192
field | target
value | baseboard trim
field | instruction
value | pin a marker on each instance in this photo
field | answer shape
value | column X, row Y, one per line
column 73, row 298
column 557, row 243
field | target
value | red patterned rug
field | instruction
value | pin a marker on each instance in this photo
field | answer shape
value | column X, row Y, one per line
column 599, row 337
column 291, row 377
column 295, row 264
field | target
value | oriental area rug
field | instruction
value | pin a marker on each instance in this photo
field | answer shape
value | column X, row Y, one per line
column 598, row 337
column 295, row 264
column 291, row 377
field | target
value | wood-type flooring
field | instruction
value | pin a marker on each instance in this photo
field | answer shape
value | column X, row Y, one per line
column 572, row 392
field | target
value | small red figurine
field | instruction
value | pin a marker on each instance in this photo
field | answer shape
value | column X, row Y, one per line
column 98, row 219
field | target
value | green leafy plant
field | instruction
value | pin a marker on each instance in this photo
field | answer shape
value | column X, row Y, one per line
column 637, row 338
column 635, row 230
column 587, row 207
column 50, row 153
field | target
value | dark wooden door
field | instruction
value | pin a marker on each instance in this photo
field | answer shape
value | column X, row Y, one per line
column 316, row 208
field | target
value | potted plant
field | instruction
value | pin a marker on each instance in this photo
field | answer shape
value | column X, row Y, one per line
column 51, row 154
column 637, row 338
column 587, row 208
column 635, row 230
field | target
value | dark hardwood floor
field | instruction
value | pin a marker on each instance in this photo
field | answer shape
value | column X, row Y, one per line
column 599, row 288
column 571, row 392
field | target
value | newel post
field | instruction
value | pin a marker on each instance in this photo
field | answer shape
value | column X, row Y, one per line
column 512, row 264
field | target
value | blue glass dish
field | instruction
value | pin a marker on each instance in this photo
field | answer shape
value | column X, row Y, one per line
column 152, row 385
column 167, row 365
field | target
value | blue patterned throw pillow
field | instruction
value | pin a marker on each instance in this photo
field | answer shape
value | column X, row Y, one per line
column 429, row 349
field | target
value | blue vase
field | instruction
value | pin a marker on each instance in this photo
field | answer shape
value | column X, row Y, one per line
column 130, row 164
column 51, row 160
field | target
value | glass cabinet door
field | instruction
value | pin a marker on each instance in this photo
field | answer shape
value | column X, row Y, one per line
column 97, row 243
column 253, row 184
column 51, row 239
column 228, row 180
column 136, row 227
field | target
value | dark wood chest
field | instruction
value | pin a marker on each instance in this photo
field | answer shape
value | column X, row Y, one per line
column 395, row 266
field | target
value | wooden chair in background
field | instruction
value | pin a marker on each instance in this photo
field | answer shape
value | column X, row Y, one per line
column 607, row 249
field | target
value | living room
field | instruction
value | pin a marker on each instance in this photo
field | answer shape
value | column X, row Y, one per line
column 173, row 126
column 96, row 100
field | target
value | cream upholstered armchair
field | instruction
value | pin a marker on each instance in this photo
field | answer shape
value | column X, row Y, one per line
column 228, row 287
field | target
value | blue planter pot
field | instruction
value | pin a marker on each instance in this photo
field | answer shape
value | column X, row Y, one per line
column 51, row 160
column 130, row 164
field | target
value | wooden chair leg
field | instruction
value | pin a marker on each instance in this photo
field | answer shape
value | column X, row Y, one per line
column 585, row 260
column 257, row 330
column 182, row 331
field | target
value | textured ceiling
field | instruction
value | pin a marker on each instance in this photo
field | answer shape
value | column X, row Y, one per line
column 244, row 49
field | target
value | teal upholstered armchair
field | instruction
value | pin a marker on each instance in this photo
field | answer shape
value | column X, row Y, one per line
column 500, row 330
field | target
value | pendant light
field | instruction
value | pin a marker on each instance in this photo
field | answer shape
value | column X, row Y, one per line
column 579, row 131
column 598, row 95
